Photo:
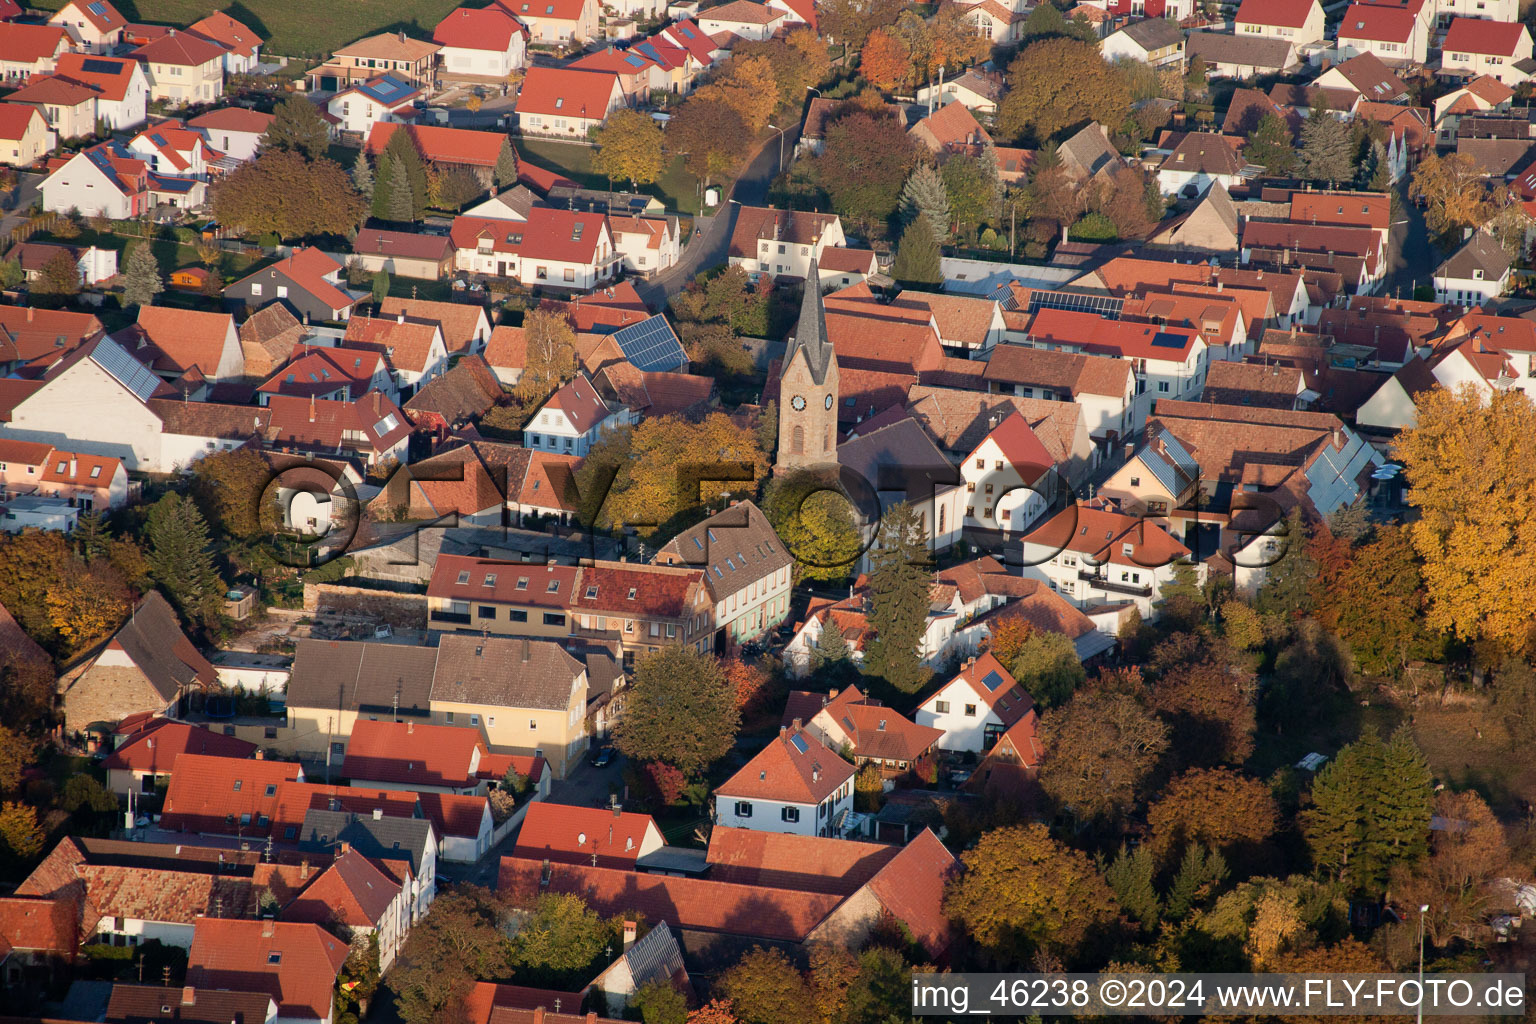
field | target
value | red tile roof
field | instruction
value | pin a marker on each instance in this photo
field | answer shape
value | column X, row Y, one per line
column 37, row 924
column 1104, row 534
column 352, row 892
column 307, row 268
column 28, row 44
column 321, row 371
column 659, row 591
column 172, row 339
column 28, row 334
column 781, row 860
column 569, row 834
column 911, row 889
column 1007, row 700
column 308, row 421
column 795, row 767
column 102, row 15
column 111, row 76
column 405, row 752
column 233, row 119
column 568, row 92
column 1282, row 13
column 296, row 799
column 505, row 236
column 692, row 904
column 550, row 481
column 488, row 995
column 443, row 145
column 181, row 48
column 1118, row 338
column 562, row 10
column 1380, row 24
column 155, row 747
column 564, row 235
column 489, row 28
column 296, row 964
column 1481, row 36
column 16, row 119
column 490, row 579
column 1019, row 445
column 455, row 814
column 234, row 35
column 222, row 794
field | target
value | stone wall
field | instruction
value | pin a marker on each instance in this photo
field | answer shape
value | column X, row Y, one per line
column 403, row 611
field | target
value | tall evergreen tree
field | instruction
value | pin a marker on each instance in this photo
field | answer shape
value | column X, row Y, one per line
column 392, row 196
column 1327, row 147
column 1370, row 810
column 383, row 188
column 899, row 598
column 831, row 645
column 1405, row 795
column 506, row 165
column 924, row 195
column 91, row 536
column 1270, row 145
column 401, row 148
column 1200, row 872
column 179, row 557
column 1131, row 875
column 362, row 175
column 1289, row 581
column 141, row 278
column 917, row 257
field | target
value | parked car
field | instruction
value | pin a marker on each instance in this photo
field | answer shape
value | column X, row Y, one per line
column 603, row 757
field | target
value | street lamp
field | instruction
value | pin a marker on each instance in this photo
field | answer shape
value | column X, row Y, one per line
column 781, row 132
column 1423, row 909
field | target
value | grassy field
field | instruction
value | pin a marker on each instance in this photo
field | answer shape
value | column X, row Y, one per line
column 294, row 28
column 677, row 188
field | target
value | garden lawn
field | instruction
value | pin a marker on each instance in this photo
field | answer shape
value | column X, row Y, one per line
column 677, row 188
column 294, row 28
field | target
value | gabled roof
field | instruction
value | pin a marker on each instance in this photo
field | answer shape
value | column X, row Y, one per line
column 742, row 12
column 322, row 371
column 459, row 321
column 1244, row 50
column 1104, row 534
column 759, row 223
column 464, row 578
column 307, row 268
column 296, row 964
column 403, row 244
column 1153, row 33
column 152, row 1004
column 1118, row 338
column 389, row 46
column 456, row 814
column 1482, row 252
column 1278, row 13
column 441, row 144
column 233, row 35
column 467, row 390
column 795, row 767
column 28, row 44
column 155, row 747
column 221, row 794
column 504, row 672
column 412, row 754
column 352, row 892
column 100, row 13
column 1372, row 78
column 110, row 76
column 153, row 640
column 233, row 119
column 1020, row 447
column 489, row 28
column 1206, row 153
column 564, row 235
column 691, row 904
column 581, row 403
column 1237, row 383
column 404, row 840
column 782, row 860
column 567, row 92
column 1481, row 36
column 171, row 339
column 554, row 10
column 1377, row 23
column 569, row 834
column 39, row 924
column 996, row 687
column 911, row 889
column 371, row 422
column 736, row 547
column 951, row 126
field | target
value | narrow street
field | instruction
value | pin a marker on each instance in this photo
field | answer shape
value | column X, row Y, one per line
column 1411, row 259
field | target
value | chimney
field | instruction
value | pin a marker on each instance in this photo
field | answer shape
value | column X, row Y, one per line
column 343, row 847
column 629, row 934
column 266, row 928
column 783, row 732
column 400, row 317
column 311, row 408
column 527, row 649
column 402, row 35
column 188, row 996
column 260, row 755
column 592, row 1017
column 538, row 1015
column 303, row 869
column 30, row 314
column 795, row 725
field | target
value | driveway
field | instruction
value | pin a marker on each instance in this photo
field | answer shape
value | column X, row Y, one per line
column 710, row 244
column 26, row 195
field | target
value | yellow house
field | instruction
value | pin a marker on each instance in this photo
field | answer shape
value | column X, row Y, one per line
column 68, row 107
column 183, row 68
column 482, row 595
column 25, row 136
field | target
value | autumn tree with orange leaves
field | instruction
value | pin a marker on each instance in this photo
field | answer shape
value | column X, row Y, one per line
column 886, row 61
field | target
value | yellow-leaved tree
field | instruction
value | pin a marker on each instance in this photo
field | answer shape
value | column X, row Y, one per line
column 1471, row 466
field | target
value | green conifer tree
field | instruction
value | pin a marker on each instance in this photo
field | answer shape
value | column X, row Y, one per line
column 141, row 278
column 179, row 557
column 1131, row 875
column 917, row 257
column 899, row 598
column 924, row 195
column 362, row 175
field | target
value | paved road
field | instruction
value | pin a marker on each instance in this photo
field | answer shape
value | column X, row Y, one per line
column 1410, row 258
column 26, row 196
column 708, row 247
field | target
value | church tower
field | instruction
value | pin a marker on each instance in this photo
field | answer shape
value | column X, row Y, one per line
column 808, row 388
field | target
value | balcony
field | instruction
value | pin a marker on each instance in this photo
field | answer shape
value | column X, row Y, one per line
column 1114, row 586
column 451, row 618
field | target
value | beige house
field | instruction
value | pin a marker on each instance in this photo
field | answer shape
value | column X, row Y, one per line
column 24, row 135
column 394, row 53
column 183, row 68
column 746, row 568
column 68, row 107
column 506, row 598
column 97, row 23
column 524, row 696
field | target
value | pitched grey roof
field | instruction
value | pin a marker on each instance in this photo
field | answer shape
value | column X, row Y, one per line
column 811, row 330
column 1154, row 33
column 357, row 675
column 131, row 1004
column 152, row 637
column 1169, row 461
column 735, row 547
column 1481, row 252
column 901, row 456
column 1089, row 150
column 512, row 672
column 389, row 838
column 1255, row 51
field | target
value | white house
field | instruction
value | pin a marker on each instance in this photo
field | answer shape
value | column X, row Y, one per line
column 770, row 241
column 487, row 42
column 414, row 349
column 1395, row 34
column 750, row 21
column 1092, row 554
column 173, row 150
column 980, row 91
column 121, row 86
column 572, row 420
column 1200, row 160
column 747, row 569
column 1476, row 46
column 242, row 46
column 234, row 131
column 1496, row 10
column 1299, row 22
column 647, row 244
column 1154, row 41
column 1475, row 273
column 975, row 707
column 105, row 179
column 96, row 23
column 1009, row 478
column 561, row 22
column 566, row 102
column 795, row 785
column 361, row 106
column 566, row 249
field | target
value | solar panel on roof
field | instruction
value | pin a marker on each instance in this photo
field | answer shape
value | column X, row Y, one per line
column 127, row 371
column 651, row 344
column 100, row 67
column 1077, row 302
column 633, row 61
column 1165, row 339
column 799, row 742
column 686, row 31
column 991, row 681
column 97, row 8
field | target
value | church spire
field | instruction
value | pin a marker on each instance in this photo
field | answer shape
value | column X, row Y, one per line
column 811, row 330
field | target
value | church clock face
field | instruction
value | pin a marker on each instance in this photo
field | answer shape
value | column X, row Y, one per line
column 828, row 403
column 798, row 402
